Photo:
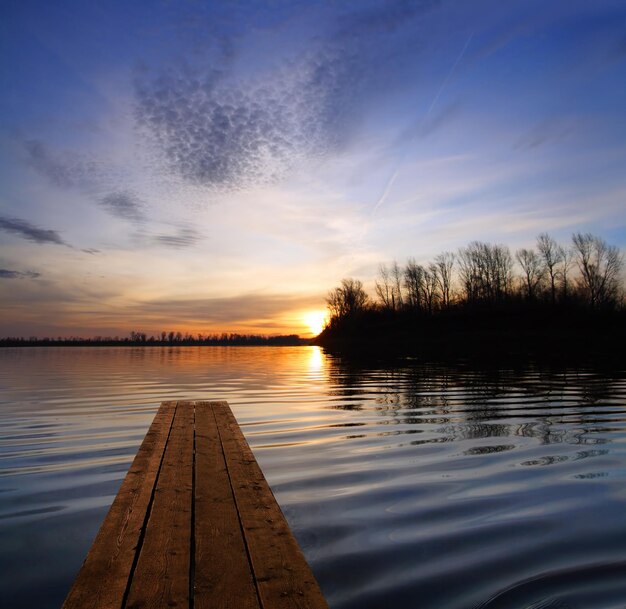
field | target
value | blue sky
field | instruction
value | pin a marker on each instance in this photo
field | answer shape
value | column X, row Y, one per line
column 221, row 166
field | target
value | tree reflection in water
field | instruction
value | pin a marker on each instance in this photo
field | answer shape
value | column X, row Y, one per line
column 498, row 479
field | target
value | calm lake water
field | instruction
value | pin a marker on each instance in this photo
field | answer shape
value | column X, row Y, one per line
column 412, row 485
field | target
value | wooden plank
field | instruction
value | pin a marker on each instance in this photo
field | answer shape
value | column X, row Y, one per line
column 195, row 524
column 283, row 577
column 223, row 576
column 103, row 578
column 161, row 576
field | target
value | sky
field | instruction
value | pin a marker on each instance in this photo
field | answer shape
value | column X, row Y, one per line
column 220, row 166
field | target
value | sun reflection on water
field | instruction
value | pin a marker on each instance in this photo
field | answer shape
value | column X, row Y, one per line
column 316, row 359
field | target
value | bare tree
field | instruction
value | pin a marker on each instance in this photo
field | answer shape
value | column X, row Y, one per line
column 486, row 271
column 384, row 288
column 552, row 255
column 532, row 268
column 599, row 265
column 502, row 271
column 413, row 279
column 470, row 270
column 396, row 275
column 389, row 287
column 568, row 256
column 429, row 288
column 443, row 266
column 347, row 300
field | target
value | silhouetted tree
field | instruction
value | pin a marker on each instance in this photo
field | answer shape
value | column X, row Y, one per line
column 384, row 289
column 443, row 267
column 396, row 276
column 485, row 271
column 532, row 269
column 566, row 266
column 389, row 287
column 599, row 265
column 429, row 287
column 413, row 280
column 484, row 274
column 347, row 300
column 551, row 254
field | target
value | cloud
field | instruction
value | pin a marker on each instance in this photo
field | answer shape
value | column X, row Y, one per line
column 74, row 170
column 29, row 231
column 123, row 205
column 75, row 307
column 185, row 237
column 214, row 127
column 182, row 237
column 424, row 126
column 40, row 157
column 230, row 137
column 6, row 274
column 386, row 17
column 547, row 131
column 233, row 311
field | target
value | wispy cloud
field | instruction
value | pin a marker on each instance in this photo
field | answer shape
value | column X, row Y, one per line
column 123, row 205
column 185, row 237
column 546, row 132
column 76, row 310
column 181, row 237
column 46, row 163
column 7, row 274
column 251, row 308
column 74, row 169
column 387, row 17
column 31, row 232
column 424, row 126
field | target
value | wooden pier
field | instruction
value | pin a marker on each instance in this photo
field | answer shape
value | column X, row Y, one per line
column 195, row 525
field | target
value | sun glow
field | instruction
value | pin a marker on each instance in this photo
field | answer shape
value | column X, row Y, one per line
column 315, row 320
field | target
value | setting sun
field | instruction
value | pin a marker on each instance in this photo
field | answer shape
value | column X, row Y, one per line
column 315, row 321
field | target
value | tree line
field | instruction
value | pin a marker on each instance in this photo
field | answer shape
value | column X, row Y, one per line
column 583, row 274
column 171, row 338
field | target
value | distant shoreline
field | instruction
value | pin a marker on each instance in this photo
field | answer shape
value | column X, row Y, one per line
column 489, row 334
column 291, row 340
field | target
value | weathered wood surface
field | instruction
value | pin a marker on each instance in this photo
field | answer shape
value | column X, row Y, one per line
column 195, row 525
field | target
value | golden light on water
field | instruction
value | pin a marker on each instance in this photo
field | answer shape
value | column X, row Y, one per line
column 315, row 321
column 316, row 359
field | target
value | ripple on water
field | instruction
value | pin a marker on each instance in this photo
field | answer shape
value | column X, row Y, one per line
column 407, row 485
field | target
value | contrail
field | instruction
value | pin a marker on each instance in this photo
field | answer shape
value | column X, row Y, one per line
column 390, row 182
column 447, row 78
column 396, row 171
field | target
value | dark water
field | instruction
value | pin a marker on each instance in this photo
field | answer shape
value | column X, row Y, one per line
column 413, row 485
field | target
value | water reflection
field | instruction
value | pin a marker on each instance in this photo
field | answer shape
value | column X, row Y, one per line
column 554, row 406
column 457, row 485
column 316, row 359
column 485, row 437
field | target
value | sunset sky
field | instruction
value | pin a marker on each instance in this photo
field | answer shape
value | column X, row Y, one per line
column 210, row 166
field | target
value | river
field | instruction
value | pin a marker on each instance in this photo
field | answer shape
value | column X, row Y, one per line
column 408, row 484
